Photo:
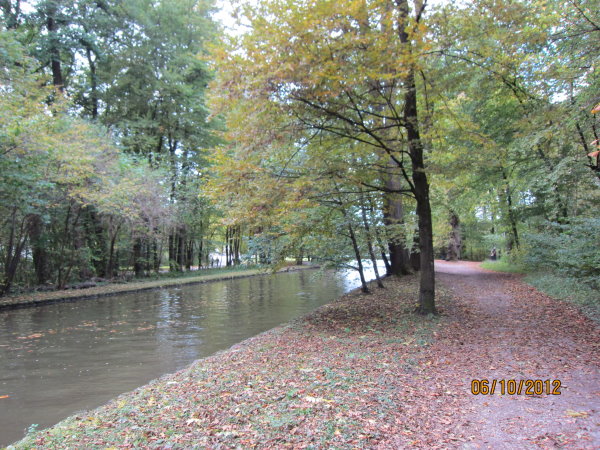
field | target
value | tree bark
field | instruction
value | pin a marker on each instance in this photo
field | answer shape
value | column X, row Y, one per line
column 512, row 221
column 419, row 176
column 138, row 267
column 57, row 76
column 39, row 253
column 393, row 219
column 370, row 242
column 361, row 270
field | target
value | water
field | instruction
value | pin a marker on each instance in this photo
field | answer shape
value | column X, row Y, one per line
column 58, row 359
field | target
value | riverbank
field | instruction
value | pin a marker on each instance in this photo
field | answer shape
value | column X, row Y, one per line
column 37, row 298
column 366, row 372
column 346, row 375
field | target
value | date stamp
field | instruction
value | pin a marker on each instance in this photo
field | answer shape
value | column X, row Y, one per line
column 515, row 387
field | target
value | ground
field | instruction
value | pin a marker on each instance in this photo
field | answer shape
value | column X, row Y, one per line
column 367, row 372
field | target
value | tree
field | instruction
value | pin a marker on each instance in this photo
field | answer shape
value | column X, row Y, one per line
column 348, row 74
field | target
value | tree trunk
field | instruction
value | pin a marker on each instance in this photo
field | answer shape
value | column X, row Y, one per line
column 181, row 232
column 96, row 241
column 361, row 270
column 39, row 253
column 93, row 83
column 138, row 267
column 393, row 219
column 370, row 242
column 110, row 263
column 419, row 177
column 14, row 249
column 57, row 77
column 513, row 240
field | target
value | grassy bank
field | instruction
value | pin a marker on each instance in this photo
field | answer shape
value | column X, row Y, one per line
column 195, row 277
column 502, row 266
column 351, row 374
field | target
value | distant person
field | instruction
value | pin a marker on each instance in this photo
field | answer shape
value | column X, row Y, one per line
column 493, row 254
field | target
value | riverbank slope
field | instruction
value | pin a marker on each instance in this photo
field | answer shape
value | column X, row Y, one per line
column 365, row 372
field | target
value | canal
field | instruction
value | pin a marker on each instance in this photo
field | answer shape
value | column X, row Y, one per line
column 59, row 359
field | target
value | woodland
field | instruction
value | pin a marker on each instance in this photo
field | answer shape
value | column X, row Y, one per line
column 144, row 136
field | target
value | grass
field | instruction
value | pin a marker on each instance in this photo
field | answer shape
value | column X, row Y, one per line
column 502, row 265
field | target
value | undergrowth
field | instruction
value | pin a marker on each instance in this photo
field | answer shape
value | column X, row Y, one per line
column 502, row 265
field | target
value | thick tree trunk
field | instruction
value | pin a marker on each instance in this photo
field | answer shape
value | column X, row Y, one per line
column 172, row 256
column 138, row 267
column 419, row 177
column 181, row 238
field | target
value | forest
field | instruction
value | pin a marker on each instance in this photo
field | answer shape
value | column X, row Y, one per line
column 146, row 136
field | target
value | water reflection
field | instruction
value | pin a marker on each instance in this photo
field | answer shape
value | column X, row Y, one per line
column 61, row 358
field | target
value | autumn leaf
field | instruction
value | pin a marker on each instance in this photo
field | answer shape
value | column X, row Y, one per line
column 572, row 413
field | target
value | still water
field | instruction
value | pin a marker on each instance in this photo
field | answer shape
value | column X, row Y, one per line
column 62, row 358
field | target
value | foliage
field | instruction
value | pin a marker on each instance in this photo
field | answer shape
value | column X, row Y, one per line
column 567, row 250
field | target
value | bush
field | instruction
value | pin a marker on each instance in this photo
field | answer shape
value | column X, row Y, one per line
column 569, row 250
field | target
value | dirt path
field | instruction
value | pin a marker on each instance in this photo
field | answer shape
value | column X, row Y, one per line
column 503, row 329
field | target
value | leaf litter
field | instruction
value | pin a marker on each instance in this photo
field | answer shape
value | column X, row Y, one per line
column 366, row 372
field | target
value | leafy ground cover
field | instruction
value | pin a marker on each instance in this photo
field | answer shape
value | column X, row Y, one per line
column 574, row 290
column 365, row 372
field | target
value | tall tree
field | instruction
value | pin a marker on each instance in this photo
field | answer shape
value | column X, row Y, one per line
column 349, row 74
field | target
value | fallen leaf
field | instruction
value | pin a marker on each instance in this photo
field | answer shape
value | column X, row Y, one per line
column 572, row 413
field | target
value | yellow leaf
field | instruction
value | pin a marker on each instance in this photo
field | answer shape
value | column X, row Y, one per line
column 572, row 413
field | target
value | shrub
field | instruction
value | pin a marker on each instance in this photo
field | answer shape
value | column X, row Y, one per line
column 569, row 250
